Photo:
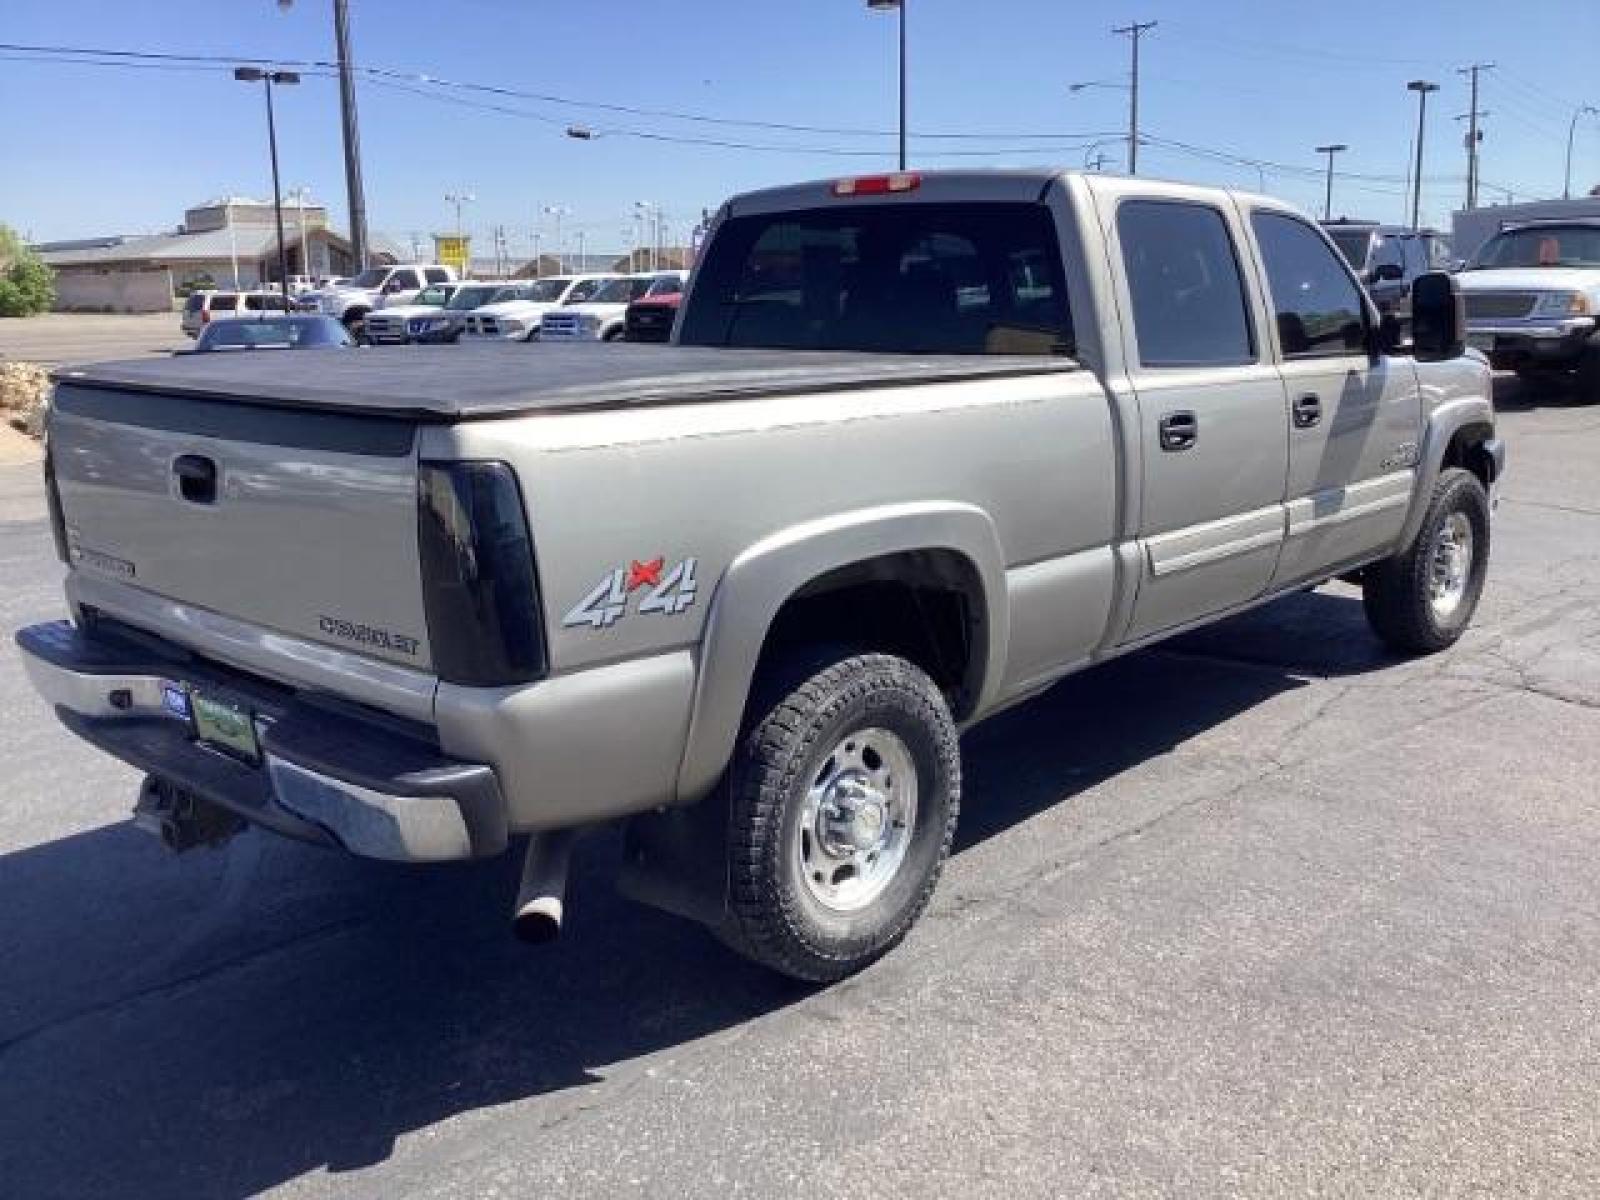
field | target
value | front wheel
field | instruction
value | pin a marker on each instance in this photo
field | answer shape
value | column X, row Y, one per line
column 845, row 793
column 1422, row 599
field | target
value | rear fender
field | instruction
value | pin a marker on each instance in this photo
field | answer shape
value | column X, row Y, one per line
column 759, row 581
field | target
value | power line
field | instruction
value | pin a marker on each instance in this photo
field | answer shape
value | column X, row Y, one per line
column 426, row 79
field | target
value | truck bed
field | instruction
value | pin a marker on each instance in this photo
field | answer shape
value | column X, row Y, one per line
column 463, row 383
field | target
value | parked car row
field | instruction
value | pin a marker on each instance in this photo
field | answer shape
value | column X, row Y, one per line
column 588, row 307
column 383, row 307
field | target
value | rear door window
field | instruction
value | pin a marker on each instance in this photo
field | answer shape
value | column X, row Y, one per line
column 227, row 302
column 436, row 274
column 1188, row 297
column 894, row 278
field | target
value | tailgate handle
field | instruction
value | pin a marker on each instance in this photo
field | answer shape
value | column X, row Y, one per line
column 197, row 478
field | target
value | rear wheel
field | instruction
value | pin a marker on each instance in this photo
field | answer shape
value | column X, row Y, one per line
column 1423, row 598
column 845, row 793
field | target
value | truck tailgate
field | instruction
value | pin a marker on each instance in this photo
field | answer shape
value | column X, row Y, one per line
column 299, row 522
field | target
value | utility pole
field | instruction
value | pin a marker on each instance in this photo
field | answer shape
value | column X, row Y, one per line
column 558, row 211
column 1572, row 129
column 1473, row 135
column 582, row 243
column 1421, row 87
column 1327, row 202
column 352, row 136
column 1134, row 32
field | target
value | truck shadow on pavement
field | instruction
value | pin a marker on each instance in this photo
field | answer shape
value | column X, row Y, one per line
column 227, row 1022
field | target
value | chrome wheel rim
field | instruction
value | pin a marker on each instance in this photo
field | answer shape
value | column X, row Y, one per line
column 856, row 821
column 1451, row 566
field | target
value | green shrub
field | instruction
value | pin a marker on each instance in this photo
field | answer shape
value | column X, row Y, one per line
column 27, row 286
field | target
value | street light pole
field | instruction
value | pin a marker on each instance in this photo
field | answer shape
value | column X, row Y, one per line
column 267, row 79
column 1327, row 202
column 1134, row 32
column 1572, row 129
column 899, row 7
column 1421, row 87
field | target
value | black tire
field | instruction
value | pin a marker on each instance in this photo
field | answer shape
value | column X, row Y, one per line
column 1398, row 592
column 777, row 917
column 614, row 335
column 355, row 324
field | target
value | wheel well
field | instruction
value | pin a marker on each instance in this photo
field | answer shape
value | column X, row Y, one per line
column 1467, row 451
column 923, row 605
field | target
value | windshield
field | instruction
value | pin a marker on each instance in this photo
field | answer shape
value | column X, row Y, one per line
column 370, row 278
column 893, row 278
column 472, row 297
column 432, row 297
column 1541, row 246
column 1353, row 245
column 548, row 291
column 584, row 291
column 620, row 291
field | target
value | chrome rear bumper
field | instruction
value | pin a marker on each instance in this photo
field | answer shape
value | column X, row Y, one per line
column 331, row 775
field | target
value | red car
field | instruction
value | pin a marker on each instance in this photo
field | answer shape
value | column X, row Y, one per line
column 650, row 319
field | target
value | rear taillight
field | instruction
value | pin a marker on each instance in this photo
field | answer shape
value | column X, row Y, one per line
column 52, row 499
column 479, row 588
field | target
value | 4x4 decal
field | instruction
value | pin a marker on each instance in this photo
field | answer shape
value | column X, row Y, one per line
column 668, row 591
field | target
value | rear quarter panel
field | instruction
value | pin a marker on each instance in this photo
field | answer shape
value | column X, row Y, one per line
column 605, row 490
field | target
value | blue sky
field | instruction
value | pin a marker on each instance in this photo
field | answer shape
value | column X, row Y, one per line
column 86, row 150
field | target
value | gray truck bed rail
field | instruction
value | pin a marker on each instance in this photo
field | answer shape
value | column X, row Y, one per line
column 460, row 383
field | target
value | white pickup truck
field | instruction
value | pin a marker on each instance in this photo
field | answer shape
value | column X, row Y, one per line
column 603, row 318
column 351, row 302
column 516, row 317
column 1533, row 301
column 398, row 324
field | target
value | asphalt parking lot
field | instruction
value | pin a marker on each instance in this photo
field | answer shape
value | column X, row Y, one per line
column 64, row 339
column 1262, row 912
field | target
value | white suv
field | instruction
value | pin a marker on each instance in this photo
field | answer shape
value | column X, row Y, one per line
column 603, row 317
column 516, row 317
column 202, row 307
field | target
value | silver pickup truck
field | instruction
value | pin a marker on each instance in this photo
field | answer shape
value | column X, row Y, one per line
column 926, row 444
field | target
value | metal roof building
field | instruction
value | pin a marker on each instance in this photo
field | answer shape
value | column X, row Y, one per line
column 227, row 242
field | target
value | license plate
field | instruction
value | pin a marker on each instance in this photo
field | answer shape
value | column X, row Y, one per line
column 228, row 727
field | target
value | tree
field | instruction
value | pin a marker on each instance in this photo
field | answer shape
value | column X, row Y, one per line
column 27, row 286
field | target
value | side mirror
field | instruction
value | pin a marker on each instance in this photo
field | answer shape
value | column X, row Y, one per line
column 1438, row 318
column 1387, row 272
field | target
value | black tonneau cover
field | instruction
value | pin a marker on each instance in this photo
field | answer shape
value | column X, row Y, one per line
column 460, row 383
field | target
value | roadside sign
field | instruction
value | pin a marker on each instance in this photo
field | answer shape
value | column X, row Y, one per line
column 452, row 251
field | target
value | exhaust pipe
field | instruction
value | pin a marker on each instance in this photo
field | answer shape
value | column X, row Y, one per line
column 542, row 895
